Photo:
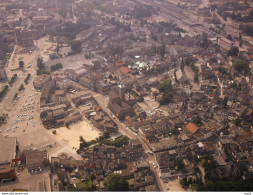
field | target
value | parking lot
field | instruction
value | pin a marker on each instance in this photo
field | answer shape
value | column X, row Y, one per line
column 23, row 112
column 26, row 181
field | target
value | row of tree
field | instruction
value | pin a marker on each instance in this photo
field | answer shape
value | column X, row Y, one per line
column 13, row 79
column 56, row 66
column 84, row 144
column 167, row 92
column 4, row 91
column 27, row 78
column 41, row 67
column 113, row 183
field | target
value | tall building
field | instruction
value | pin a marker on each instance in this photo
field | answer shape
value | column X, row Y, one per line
column 118, row 104
column 3, row 75
column 8, row 157
column 24, row 37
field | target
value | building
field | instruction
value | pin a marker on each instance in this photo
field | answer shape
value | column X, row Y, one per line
column 192, row 128
column 3, row 75
column 53, row 115
column 118, row 64
column 8, row 153
column 233, row 23
column 46, row 92
column 225, row 43
column 24, row 37
column 36, row 161
column 41, row 80
column 71, row 74
column 118, row 104
column 103, row 87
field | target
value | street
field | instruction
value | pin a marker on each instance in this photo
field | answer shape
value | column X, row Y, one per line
column 103, row 102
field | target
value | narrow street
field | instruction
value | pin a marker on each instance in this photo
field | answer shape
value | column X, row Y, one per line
column 202, row 172
column 103, row 102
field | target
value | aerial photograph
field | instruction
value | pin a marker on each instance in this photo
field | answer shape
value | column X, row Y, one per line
column 126, row 95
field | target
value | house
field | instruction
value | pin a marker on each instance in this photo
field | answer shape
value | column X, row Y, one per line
column 71, row 74
column 122, row 72
column 225, row 43
column 119, row 64
column 142, row 165
column 192, row 128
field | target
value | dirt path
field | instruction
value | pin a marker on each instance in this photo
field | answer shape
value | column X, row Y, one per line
column 202, row 172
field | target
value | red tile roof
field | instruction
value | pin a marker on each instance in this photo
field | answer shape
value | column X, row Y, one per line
column 120, row 63
column 192, row 127
column 124, row 70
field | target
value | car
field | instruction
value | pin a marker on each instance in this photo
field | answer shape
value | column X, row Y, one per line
column 74, row 178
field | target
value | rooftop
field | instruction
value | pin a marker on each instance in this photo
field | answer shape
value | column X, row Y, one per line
column 7, row 149
column 34, row 157
column 124, row 70
column 191, row 127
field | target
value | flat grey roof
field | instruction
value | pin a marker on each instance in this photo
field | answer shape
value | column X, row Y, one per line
column 7, row 149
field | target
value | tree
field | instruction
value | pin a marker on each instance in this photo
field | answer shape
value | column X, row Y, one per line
column 222, row 70
column 21, row 64
column 92, row 177
column 234, row 51
column 162, row 51
column 196, row 77
column 88, row 186
column 225, row 101
column 238, row 121
column 115, row 182
column 21, row 87
column 76, row 46
column 229, row 37
column 165, row 86
column 242, row 66
column 40, row 66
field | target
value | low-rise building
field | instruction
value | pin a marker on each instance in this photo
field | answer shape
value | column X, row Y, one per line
column 225, row 43
column 41, row 80
column 71, row 74
column 35, row 161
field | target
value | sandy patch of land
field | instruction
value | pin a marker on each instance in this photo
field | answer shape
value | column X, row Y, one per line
column 48, row 48
column 71, row 136
column 27, row 58
column 174, row 186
